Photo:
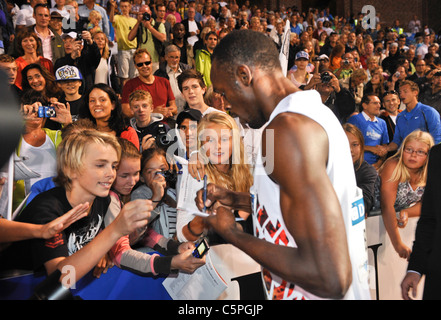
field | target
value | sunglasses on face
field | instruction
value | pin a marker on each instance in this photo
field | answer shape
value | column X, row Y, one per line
column 140, row 64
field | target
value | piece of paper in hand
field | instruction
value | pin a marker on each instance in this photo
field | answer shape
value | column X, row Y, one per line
column 203, row 284
column 188, row 188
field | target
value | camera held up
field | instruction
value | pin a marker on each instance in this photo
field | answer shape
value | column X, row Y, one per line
column 46, row 112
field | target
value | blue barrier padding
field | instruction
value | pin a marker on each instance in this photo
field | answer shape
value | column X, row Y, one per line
column 119, row 284
column 19, row 287
column 116, row 284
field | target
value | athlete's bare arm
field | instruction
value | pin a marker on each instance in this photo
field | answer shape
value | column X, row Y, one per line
column 310, row 209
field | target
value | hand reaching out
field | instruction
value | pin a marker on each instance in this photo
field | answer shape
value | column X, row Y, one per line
column 186, row 262
column 135, row 214
column 55, row 226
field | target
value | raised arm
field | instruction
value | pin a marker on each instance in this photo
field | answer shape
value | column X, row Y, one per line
column 113, row 6
column 16, row 231
column 134, row 215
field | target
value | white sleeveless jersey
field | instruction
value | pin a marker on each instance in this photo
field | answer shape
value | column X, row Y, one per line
column 268, row 219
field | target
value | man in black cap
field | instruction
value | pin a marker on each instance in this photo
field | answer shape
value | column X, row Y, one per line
column 56, row 23
column 187, row 123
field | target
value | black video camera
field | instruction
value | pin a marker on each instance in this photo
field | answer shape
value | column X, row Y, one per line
column 326, row 77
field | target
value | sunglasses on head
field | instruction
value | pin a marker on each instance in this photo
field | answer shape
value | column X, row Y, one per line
column 390, row 92
column 140, row 64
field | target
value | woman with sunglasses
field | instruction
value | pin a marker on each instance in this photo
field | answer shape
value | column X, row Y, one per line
column 403, row 179
column 376, row 83
column 106, row 70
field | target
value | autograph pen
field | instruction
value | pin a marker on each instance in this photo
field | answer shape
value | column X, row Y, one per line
column 205, row 192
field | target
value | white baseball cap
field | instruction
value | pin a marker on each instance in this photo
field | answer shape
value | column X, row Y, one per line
column 68, row 73
column 71, row 34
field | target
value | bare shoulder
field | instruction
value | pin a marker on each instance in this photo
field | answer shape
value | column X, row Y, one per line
column 296, row 130
column 298, row 146
column 388, row 167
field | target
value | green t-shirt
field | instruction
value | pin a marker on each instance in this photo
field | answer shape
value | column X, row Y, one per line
column 150, row 45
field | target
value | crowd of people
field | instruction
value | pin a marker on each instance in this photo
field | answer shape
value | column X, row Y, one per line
column 118, row 97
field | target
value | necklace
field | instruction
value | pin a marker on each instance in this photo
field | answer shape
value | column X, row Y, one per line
column 33, row 134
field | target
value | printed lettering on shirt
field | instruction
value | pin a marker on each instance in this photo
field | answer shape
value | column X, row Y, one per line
column 79, row 239
column 372, row 134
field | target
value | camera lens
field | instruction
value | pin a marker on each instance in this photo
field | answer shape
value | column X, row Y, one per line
column 146, row 16
column 163, row 140
column 50, row 112
column 326, row 77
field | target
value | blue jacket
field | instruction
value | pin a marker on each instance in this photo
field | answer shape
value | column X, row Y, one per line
column 421, row 117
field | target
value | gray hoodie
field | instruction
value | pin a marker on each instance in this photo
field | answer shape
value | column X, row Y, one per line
column 154, row 117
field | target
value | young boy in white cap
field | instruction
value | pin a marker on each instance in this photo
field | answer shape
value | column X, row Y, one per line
column 70, row 80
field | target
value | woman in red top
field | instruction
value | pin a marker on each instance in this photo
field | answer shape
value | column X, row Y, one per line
column 103, row 108
column 29, row 47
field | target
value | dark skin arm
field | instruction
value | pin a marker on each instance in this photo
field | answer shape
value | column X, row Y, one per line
column 218, row 195
column 310, row 209
column 237, row 200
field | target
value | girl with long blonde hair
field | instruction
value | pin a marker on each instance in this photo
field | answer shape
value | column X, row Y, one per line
column 228, row 170
column 403, row 179
column 225, row 164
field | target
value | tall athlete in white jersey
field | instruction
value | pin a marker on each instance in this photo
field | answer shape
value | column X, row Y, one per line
column 268, row 218
column 309, row 221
